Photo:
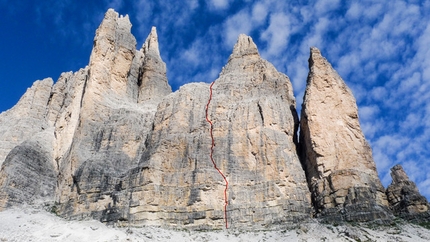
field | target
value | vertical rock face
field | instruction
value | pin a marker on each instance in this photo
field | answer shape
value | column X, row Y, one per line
column 405, row 199
column 113, row 123
column 253, row 112
column 338, row 161
column 27, row 172
column 111, row 57
column 44, row 119
column 64, row 110
column 26, row 118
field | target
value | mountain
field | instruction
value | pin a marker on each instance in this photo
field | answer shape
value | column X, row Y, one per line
column 112, row 142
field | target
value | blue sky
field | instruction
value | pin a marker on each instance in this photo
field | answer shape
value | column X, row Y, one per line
column 381, row 50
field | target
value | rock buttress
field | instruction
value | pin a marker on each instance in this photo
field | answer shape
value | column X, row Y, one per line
column 26, row 118
column 337, row 159
column 43, row 124
column 28, row 174
column 405, row 199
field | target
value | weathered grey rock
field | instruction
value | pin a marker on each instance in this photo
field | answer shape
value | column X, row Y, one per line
column 84, row 110
column 169, row 179
column 64, row 110
column 337, row 159
column 45, row 118
column 253, row 112
column 26, row 118
column 28, row 174
column 405, row 199
column 112, row 126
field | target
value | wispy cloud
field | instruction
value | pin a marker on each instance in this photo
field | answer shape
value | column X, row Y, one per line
column 277, row 34
column 218, row 4
column 237, row 24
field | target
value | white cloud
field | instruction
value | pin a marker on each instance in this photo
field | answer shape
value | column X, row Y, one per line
column 144, row 10
column 410, row 83
column 259, row 13
column 390, row 144
column 300, row 76
column 235, row 25
column 347, row 64
column 367, row 113
column 219, row 4
column 383, row 164
column 371, row 128
column 424, row 187
column 378, row 93
column 277, row 34
column 192, row 4
column 354, row 11
column 324, row 6
column 373, row 10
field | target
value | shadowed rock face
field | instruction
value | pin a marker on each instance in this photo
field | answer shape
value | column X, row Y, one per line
column 28, row 174
column 405, row 199
column 338, row 161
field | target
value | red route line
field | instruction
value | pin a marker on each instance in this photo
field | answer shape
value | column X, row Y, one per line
column 212, row 159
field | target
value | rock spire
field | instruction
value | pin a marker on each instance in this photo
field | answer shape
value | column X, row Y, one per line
column 243, row 47
column 111, row 57
column 153, row 80
column 404, row 197
column 337, row 159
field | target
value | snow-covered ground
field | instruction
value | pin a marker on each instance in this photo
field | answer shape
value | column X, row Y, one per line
column 30, row 224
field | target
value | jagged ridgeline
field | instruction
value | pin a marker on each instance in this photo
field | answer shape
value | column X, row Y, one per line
column 112, row 142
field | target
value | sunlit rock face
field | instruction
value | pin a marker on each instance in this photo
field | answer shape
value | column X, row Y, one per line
column 254, row 118
column 337, row 159
column 112, row 142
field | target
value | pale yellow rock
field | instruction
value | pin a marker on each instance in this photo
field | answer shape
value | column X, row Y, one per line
column 334, row 150
column 111, row 142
